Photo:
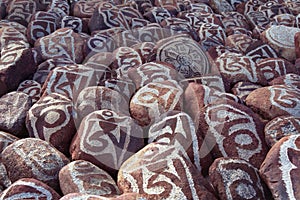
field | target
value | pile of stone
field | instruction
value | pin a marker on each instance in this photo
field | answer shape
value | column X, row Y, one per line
column 149, row 99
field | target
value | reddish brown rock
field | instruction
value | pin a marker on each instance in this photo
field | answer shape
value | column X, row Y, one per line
column 280, row 169
column 154, row 99
column 259, row 50
column 106, row 16
column 297, row 44
column 19, row 27
column 5, row 182
column 288, row 79
column 69, row 80
column 239, row 41
column 196, row 96
column 231, row 129
column 151, row 72
column 211, row 35
column 41, row 24
column 220, row 6
column 85, row 9
column 280, row 127
column 213, row 81
column 177, row 128
column 236, row 67
column 13, row 110
column 47, row 66
column 63, row 43
column 166, row 172
column 273, row 8
column 125, row 58
column 233, row 20
column 99, row 43
column 6, row 139
column 32, row 88
column 75, row 23
column 243, row 89
column 235, row 178
column 151, row 33
column 293, row 6
column 185, row 54
column 124, row 87
column 79, row 196
column 281, row 39
column 84, row 177
column 33, row 158
column 144, row 49
column 51, row 119
column 106, row 139
column 29, row 188
column 276, row 100
column 10, row 35
column 272, row 68
column 285, row 19
column 157, row 14
column 95, row 98
column 20, row 10
column 61, row 6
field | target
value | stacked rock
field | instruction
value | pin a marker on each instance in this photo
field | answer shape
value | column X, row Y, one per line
column 151, row 99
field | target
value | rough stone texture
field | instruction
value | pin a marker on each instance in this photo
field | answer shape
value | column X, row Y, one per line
column 81, row 176
column 154, row 99
column 33, row 158
column 243, row 89
column 281, row 38
column 231, row 129
column 288, row 79
column 29, row 188
column 6, row 139
column 280, row 169
column 177, row 128
column 196, row 96
column 166, row 172
column 51, row 119
column 276, row 100
column 13, row 110
column 281, row 126
column 151, row 72
column 107, row 139
column 31, row 88
column 235, row 178
column 63, row 43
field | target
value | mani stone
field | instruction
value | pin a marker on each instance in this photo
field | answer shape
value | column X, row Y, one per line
column 33, row 158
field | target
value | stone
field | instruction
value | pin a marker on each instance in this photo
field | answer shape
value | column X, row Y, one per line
column 239, row 41
column 243, row 89
column 29, row 188
column 272, row 68
column 235, row 67
column 99, row 43
column 106, row 139
column 13, row 110
column 81, row 176
column 213, row 81
column 196, row 96
column 211, row 35
column 51, row 119
column 273, row 8
column 288, row 79
column 75, row 23
column 125, row 58
column 41, row 24
column 187, row 56
column 63, row 43
column 106, row 16
column 220, row 6
column 154, row 99
column 6, row 139
column 33, row 158
column 157, row 14
column 281, row 39
column 273, row 101
column 280, row 168
column 95, row 98
column 125, row 87
column 231, row 129
column 69, row 81
column 32, row 88
column 44, row 68
column 285, row 19
column 297, row 44
column 178, row 129
column 259, row 50
column 151, row 72
column 280, row 127
column 144, row 49
column 235, row 178
column 167, row 166
column 85, row 9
